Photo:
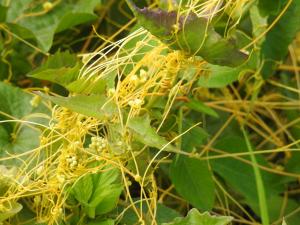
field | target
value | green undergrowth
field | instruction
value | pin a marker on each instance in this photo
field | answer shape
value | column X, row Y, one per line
column 182, row 112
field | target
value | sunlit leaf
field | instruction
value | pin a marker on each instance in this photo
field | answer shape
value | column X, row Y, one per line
column 106, row 192
column 97, row 106
column 15, row 103
column 190, row 33
column 61, row 68
column 147, row 135
column 102, row 222
column 10, row 210
column 43, row 24
column 194, row 217
column 83, row 189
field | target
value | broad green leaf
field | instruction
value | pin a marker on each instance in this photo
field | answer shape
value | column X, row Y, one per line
column 219, row 76
column 109, row 200
column 292, row 165
column 83, row 189
column 4, row 136
column 195, row 35
column 258, row 22
column 193, row 181
column 11, row 209
column 17, row 137
column 191, row 177
column 194, row 217
column 275, row 46
column 201, row 107
column 62, row 16
column 102, row 222
column 25, row 139
column 164, row 214
column 106, row 191
column 194, row 137
column 15, row 102
column 87, row 86
column 61, row 68
column 3, row 12
column 240, row 177
column 279, row 205
column 146, row 134
column 7, row 178
column 270, row 7
column 26, row 216
column 97, row 106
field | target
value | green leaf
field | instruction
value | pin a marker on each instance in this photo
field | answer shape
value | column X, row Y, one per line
column 201, row 107
column 11, row 209
column 195, row 35
column 275, row 46
column 194, row 138
column 109, row 199
column 15, row 102
column 61, row 68
column 25, row 139
column 191, row 177
column 7, row 178
column 165, row 214
column 240, row 177
column 3, row 12
column 193, row 181
column 102, row 222
column 62, row 16
column 283, row 206
column 87, row 86
column 270, row 7
column 219, row 76
column 146, row 134
column 16, row 137
column 194, row 217
column 106, row 192
column 97, row 106
column 83, row 189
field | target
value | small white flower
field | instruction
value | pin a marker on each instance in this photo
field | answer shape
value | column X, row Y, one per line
column 39, row 170
column 136, row 103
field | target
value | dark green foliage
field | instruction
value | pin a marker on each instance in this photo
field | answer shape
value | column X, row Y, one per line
column 192, row 34
column 275, row 47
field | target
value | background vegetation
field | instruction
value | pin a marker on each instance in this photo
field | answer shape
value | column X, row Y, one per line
column 110, row 114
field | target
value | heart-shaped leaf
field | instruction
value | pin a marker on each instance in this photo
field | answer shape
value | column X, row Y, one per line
column 190, row 33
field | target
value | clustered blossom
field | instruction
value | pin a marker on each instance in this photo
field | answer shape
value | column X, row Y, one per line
column 98, row 144
column 72, row 161
column 136, row 103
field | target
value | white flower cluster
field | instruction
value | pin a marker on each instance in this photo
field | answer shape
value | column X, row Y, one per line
column 136, row 103
column 72, row 161
column 143, row 76
column 98, row 144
